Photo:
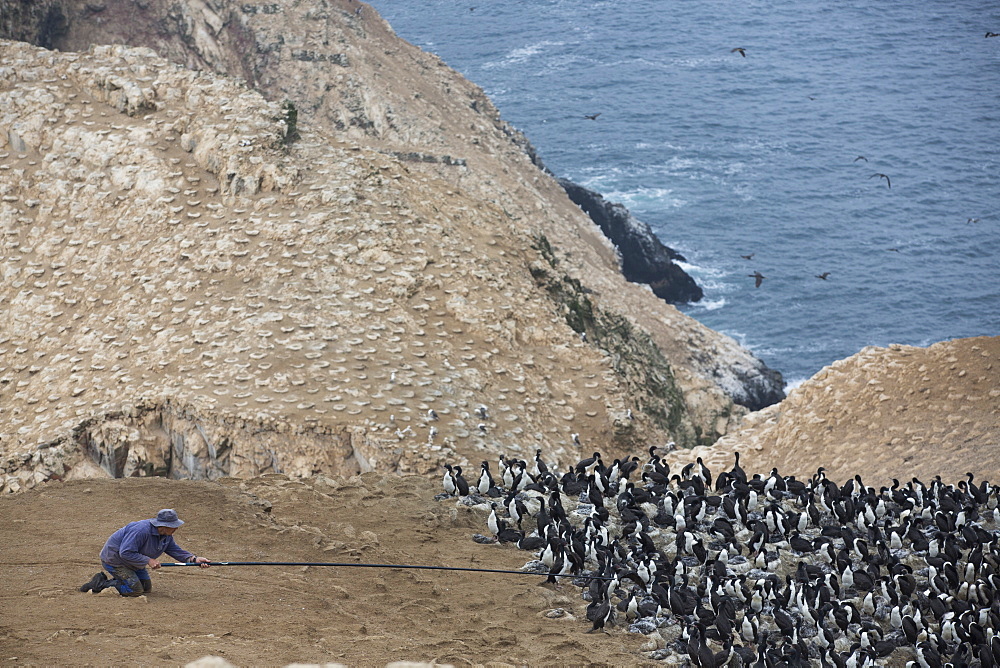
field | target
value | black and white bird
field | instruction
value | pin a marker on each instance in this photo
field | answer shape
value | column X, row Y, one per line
column 485, row 484
column 448, row 481
column 493, row 522
column 868, row 570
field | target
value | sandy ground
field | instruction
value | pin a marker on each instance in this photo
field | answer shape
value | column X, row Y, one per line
column 252, row 616
column 50, row 538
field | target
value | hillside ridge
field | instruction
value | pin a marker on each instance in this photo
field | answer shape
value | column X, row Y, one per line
column 193, row 294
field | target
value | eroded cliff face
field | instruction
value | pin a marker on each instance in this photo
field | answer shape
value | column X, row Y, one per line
column 188, row 292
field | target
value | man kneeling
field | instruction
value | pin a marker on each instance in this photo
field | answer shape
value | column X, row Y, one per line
column 134, row 548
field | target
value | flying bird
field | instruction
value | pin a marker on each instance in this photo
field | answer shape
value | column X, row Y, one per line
column 882, row 176
column 824, row 275
column 748, row 257
column 971, row 220
column 592, row 117
column 894, row 250
column 758, row 278
column 992, row 34
column 861, row 157
column 741, row 50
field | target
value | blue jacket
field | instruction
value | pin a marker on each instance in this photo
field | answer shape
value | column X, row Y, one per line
column 137, row 542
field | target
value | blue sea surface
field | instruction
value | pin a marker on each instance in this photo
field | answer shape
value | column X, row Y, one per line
column 726, row 155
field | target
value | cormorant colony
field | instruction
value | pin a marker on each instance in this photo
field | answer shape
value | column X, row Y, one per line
column 759, row 570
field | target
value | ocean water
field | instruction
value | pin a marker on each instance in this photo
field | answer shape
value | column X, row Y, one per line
column 726, row 155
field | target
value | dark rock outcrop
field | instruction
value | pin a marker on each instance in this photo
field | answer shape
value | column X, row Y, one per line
column 644, row 257
column 762, row 388
column 40, row 23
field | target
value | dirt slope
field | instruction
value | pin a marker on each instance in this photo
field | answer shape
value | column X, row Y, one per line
column 884, row 413
column 276, row 615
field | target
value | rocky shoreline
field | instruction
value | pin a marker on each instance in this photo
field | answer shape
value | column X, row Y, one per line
column 644, row 257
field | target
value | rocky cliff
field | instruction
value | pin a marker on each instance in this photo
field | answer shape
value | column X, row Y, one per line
column 644, row 257
column 190, row 291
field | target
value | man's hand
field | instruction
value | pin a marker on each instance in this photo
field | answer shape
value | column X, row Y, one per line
column 154, row 564
column 203, row 562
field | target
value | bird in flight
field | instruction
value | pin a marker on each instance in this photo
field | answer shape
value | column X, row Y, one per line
column 748, row 257
column 971, row 220
column 592, row 117
column 894, row 250
column 758, row 278
column 824, row 275
column 992, row 34
column 741, row 50
column 882, row 176
column 861, row 157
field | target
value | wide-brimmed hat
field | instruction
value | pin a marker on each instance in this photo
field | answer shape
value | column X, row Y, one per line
column 167, row 518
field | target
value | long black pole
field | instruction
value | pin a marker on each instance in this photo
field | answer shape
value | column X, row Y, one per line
column 327, row 563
